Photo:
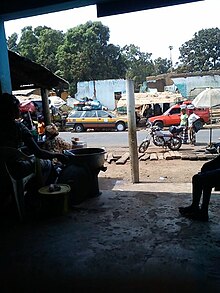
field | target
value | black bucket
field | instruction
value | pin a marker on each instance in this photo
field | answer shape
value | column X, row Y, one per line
column 82, row 173
column 92, row 157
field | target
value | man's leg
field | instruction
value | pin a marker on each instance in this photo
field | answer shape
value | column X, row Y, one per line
column 211, row 180
column 196, row 196
column 202, row 214
column 197, row 186
column 202, row 182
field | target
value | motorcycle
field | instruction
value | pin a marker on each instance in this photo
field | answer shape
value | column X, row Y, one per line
column 170, row 139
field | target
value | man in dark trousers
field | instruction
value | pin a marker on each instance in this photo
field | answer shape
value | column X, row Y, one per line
column 202, row 184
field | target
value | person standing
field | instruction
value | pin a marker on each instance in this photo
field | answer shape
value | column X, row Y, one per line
column 191, row 119
column 184, row 123
column 40, row 127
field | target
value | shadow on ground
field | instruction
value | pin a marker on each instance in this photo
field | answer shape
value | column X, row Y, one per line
column 119, row 242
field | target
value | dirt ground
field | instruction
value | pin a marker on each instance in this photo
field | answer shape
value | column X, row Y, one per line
column 170, row 171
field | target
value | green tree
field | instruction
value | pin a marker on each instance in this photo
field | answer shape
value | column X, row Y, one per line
column 139, row 64
column 48, row 42
column 27, row 45
column 162, row 65
column 86, row 55
column 39, row 45
column 202, row 52
column 12, row 42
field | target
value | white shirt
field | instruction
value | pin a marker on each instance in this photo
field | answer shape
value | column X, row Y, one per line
column 192, row 118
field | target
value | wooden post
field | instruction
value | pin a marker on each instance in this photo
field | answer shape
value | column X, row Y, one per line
column 45, row 106
column 132, row 136
column 5, row 77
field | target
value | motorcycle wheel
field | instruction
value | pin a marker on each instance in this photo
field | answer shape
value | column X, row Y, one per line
column 175, row 143
column 143, row 146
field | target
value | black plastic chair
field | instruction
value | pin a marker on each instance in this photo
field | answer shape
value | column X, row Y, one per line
column 8, row 154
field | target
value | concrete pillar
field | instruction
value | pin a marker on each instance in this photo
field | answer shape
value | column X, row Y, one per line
column 5, row 77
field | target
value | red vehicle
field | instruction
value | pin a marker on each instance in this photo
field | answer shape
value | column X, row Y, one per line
column 172, row 116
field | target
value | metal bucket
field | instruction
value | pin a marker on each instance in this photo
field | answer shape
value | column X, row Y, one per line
column 92, row 157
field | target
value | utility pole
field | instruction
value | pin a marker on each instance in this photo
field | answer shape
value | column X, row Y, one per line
column 171, row 60
column 132, row 135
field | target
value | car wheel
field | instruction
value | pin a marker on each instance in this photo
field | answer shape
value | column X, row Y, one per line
column 120, row 126
column 159, row 124
column 79, row 128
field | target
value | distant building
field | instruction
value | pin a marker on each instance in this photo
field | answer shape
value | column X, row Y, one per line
column 188, row 84
column 108, row 92
column 191, row 84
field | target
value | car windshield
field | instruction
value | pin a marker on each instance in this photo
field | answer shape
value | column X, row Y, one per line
column 105, row 114
column 75, row 114
column 91, row 113
column 171, row 111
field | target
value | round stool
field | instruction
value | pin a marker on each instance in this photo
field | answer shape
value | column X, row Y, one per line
column 55, row 202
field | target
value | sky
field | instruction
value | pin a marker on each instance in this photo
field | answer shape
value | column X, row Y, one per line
column 153, row 30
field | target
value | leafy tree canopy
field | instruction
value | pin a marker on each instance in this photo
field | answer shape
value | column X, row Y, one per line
column 27, row 45
column 86, row 54
column 139, row 64
column 202, row 52
column 39, row 45
column 162, row 66
column 12, row 42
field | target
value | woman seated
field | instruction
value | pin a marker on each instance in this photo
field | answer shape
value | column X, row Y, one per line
column 15, row 134
column 53, row 142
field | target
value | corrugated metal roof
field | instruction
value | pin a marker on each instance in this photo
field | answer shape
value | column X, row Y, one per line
column 28, row 74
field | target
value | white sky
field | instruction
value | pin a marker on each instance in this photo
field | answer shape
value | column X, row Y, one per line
column 152, row 30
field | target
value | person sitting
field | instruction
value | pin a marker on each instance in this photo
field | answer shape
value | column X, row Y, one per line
column 148, row 112
column 202, row 184
column 53, row 142
column 15, row 134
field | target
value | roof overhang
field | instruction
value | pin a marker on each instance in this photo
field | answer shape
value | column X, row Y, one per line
column 11, row 9
column 28, row 74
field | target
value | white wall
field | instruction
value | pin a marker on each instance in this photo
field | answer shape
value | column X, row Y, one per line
column 187, row 85
column 105, row 90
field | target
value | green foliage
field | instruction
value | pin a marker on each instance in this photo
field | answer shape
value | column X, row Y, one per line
column 12, row 42
column 27, row 45
column 48, row 42
column 86, row 54
column 161, row 65
column 202, row 52
column 40, row 45
column 139, row 64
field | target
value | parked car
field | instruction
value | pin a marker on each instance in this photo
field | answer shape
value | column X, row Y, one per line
column 172, row 116
column 95, row 119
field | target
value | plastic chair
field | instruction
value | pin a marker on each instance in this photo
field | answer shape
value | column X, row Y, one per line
column 8, row 154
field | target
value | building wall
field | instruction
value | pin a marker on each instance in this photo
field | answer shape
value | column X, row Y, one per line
column 104, row 90
column 158, row 84
column 187, row 85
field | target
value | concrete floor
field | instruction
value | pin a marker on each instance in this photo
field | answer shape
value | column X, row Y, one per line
column 126, row 240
